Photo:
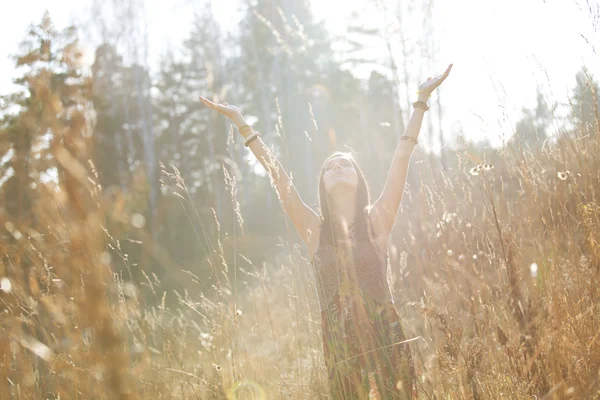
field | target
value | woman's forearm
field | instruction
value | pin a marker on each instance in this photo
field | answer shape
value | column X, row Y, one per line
column 305, row 220
column 405, row 147
column 386, row 206
column 268, row 160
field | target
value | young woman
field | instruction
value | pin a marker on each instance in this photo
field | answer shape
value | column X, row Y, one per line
column 347, row 243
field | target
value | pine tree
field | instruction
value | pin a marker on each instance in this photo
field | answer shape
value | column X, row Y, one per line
column 192, row 140
column 532, row 129
column 285, row 54
column 54, row 225
column 585, row 107
column 114, row 147
column 121, row 64
column 188, row 137
column 54, row 92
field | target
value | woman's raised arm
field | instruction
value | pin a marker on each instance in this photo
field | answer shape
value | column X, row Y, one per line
column 305, row 220
column 384, row 210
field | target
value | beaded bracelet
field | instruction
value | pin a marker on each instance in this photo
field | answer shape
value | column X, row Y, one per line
column 421, row 104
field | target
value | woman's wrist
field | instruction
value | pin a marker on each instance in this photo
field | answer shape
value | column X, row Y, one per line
column 423, row 97
column 245, row 129
column 239, row 121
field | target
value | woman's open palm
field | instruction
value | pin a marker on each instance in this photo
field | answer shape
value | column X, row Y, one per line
column 432, row 83
column 224, row 108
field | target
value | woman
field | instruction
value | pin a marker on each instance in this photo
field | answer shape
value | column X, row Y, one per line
column 348, row 243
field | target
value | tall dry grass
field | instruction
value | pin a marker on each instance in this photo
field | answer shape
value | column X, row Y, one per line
column 494, row 268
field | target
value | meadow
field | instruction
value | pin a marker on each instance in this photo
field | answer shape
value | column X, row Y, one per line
column 494, row 261
column 499, row 284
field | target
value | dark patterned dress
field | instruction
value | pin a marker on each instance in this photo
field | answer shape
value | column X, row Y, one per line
column 361, row 328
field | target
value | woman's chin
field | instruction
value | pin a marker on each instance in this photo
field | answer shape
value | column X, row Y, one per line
column 342, row 186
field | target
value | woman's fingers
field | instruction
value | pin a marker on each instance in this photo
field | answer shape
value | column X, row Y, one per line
column 215, row 106
column 212, row 105
column 223, row 108
column 445, row 74
column 448, row 70
column 208, row 102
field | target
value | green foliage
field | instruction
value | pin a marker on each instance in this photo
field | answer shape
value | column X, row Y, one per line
column 39, row 115
column 585, row 105
column 532, row 129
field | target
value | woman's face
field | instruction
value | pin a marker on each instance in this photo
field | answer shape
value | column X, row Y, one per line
column 339, row 171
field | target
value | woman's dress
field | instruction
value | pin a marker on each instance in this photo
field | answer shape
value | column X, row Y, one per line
column 361, row 328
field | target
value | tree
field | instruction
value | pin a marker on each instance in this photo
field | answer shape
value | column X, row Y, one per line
column 286, row 54
column 53, row 88
column 119, row 152
column 121, row 63
column 585, row 106
column 190, row 139
column 532, row 129
column 53, row 223
column 114, row 147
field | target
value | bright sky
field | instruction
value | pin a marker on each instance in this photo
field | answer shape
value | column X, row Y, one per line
column 501, row 51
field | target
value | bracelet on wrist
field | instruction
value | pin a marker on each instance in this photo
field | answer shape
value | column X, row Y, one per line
column 421, row 104
column 245, row 130
column 250, row 138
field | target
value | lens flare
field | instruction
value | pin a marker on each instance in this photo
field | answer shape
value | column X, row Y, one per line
column 246, row 386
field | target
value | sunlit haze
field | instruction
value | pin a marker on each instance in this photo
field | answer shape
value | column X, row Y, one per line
column 172, row 226
column 502, row 51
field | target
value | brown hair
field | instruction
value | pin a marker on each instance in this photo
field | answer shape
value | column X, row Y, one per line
column 362, row 204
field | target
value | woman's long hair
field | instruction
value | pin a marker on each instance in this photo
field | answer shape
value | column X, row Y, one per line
column 363, row 202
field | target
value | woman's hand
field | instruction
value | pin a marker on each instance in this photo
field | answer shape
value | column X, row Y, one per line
column 228, row 110
column 430, row 85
